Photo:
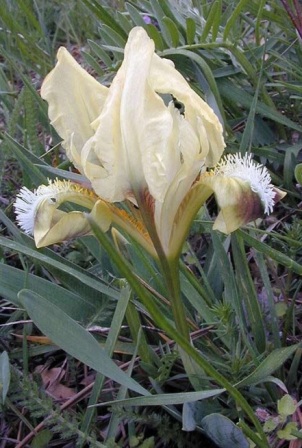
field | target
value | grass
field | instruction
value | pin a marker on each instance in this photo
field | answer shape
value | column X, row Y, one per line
column 241, row 294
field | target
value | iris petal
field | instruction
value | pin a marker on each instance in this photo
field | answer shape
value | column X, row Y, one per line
column 75, row 100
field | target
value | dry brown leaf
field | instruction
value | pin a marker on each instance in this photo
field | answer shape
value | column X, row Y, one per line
column 51, row 379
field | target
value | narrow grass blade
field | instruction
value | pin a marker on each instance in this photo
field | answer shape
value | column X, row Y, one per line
column 77, row 275
column 73, row 338
column 273, row 319
column 247, row 136
column 276, row 255
column 231, row 21
column 78, row 307
column 167, row 399
column 271, row 363
column 239, row 96
column 122, row 393
column 231, row 291
column 111, row 341
column 27, row 160
column 212, row 21
column 104, row 16
column 248, row 294
column 4, row 376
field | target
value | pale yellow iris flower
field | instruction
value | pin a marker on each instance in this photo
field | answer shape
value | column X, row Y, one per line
column 135, row 148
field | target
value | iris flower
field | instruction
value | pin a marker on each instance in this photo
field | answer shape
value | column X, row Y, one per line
column 147, row 167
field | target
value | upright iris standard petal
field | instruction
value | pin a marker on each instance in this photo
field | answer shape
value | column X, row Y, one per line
column 206, row 125
column 171, row 145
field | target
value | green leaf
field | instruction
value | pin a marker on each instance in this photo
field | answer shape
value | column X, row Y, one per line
column 78, row 307
column 286, row 433
column 247, row 136
column 270, row 424
column 217, row 20
column 111, row 37
column 298, row 173
column 148, row 443
column 100, row 53
column 173, row 31
column 104, row 16
column 73, row 339
column 75, row 277
column 124, row 21
column 4, row 375
column 271, row 363
column 290, row 160
column 230, row 287
column 159, row 15
column 231, row 21
column 93, row 63
column 196, row 299
column 215, row 10
column 276, row 255
column 190, row 30
column 268, row 287
column 135, row 15
column 167, row 399
column 111, row 343
column 188, row 417
column 224, row 432
column 286, row 406
column 155, row 35
column 248, row 293
column 27, row 160
column 239, row 96
column 213, row 20
column 70, row 175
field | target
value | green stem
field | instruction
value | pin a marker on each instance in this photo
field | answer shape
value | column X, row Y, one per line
column 177, row 306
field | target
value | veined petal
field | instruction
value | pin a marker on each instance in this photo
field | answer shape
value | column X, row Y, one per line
column 147, row 124
column 104, row 157
column 165, row 78
column 166, row 141
column 38, row 214
column 75, row 100
column 243, row 191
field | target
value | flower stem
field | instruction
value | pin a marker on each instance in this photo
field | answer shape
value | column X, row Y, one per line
column 173, row 284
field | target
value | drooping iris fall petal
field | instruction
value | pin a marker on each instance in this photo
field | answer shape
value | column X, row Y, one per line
column 243, row 191
column 38, row 212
